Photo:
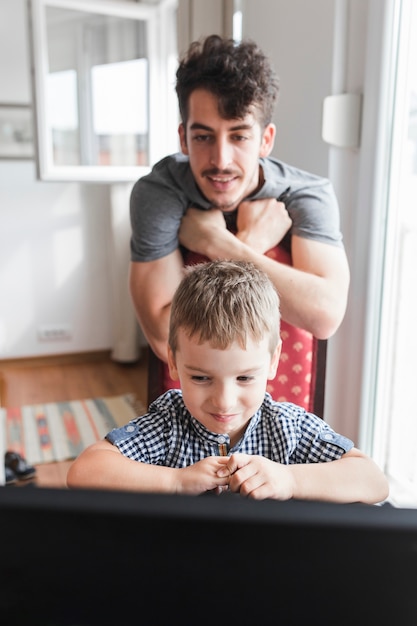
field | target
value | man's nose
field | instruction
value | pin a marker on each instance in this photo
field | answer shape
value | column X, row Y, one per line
column 221, row 153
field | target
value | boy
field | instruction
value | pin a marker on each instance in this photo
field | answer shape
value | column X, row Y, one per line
column 222, row 430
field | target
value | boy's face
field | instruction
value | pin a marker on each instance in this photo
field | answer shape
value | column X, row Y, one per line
column 224, row 154
column 223, row 389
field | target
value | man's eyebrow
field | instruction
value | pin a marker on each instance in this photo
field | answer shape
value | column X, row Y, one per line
column 239, row 126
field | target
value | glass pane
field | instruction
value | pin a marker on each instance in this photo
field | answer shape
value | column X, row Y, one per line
column 97, row 89
column 396, row 370
column 120, row 117
column 62, row 106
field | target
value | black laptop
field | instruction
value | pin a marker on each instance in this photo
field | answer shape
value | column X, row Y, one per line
column 87, row 558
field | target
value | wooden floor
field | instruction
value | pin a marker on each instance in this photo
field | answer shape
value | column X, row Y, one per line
column 68, row 377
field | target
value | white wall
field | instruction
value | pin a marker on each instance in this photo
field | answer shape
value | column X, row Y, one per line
column 54, row 238
column 54, row 267
column 319, row 48
column 298, row 36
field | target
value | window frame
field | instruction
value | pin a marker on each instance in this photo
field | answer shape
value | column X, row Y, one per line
column 160, row 26
column 381, row 176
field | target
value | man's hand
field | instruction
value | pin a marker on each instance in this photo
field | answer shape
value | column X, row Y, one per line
column 200, row 230
column 262, row 224
column 258, row 477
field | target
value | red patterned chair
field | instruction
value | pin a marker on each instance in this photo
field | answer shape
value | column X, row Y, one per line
column 157, row 379
column 301, row 371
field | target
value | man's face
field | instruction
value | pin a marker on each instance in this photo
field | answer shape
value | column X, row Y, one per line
column 224, row 154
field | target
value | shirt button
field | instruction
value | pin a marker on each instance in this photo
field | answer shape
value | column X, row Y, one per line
column 221, row 439
column 129, row 429
column 328, row 436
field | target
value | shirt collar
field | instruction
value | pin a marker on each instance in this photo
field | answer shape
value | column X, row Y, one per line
column 219, row 439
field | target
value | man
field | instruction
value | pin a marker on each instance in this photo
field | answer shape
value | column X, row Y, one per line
column 225, row 198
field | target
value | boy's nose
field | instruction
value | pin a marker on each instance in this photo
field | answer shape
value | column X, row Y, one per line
column 224, row 399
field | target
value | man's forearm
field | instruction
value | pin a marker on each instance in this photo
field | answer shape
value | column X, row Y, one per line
column 156, row 333
column 152, row 286
column 311, row 301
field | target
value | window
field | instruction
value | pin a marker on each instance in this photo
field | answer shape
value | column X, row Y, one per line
column 394, row 424
column 104, row 87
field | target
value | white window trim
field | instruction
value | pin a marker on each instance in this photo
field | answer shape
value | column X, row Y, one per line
column 161, row 90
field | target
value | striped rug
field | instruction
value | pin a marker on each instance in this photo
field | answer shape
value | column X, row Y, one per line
column 43, row 433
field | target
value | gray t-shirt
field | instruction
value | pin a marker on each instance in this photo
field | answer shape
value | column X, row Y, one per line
column 160, row 199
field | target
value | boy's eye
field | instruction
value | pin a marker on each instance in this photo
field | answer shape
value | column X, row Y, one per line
column 245, row 379
column 200, row 379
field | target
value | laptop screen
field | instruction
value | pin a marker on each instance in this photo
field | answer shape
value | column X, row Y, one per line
column 81, row 558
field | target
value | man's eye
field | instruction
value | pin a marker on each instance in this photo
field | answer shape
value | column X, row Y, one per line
column 202, row 138
column 239, row 138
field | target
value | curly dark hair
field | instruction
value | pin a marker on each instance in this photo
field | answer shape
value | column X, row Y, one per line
column 238, row 74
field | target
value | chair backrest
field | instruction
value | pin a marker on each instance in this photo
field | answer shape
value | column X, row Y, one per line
column 156, row 376
column 318, row 372
column 301, row 371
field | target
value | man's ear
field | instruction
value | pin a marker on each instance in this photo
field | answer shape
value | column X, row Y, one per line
column 274, row 362
column 173, row 372
column 268, row 140
column 183, row 138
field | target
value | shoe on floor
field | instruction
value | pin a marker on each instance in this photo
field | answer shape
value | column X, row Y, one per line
column 19, row 466
column 9, row 476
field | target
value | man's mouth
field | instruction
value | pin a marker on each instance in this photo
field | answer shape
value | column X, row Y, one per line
column 220, row 175
column 221, row 181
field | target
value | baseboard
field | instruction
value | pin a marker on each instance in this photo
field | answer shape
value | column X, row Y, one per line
column 58, row 359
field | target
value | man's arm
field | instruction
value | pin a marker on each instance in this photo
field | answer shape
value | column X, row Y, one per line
column 103, row 466
column 313, row 291
column 352, row 478
column 152, row 287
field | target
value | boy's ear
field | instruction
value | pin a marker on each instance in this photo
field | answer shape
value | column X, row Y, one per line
column 274, row 361
column 183, row 138
column 268, row 140
column 173, row 372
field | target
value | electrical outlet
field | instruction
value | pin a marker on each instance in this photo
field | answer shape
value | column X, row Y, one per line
column 55, row 332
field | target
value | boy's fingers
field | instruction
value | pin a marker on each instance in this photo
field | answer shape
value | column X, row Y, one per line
column 227, row 470
column 233, row 464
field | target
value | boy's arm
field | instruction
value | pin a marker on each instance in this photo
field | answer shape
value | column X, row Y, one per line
column 352, row 478
column 103, row 466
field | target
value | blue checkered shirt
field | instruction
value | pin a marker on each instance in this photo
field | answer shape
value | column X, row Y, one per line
column 170, row 436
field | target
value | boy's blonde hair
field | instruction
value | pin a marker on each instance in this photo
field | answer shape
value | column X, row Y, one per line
column 225, row 301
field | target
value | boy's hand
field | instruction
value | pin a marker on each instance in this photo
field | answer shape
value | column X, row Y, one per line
column 258, row 477
column 203, row 476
